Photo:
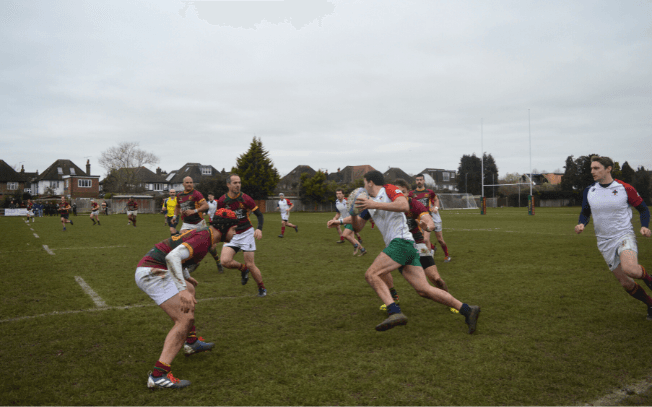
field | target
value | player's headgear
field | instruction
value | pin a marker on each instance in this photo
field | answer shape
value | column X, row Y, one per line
column 223, row 220
column 281, row 194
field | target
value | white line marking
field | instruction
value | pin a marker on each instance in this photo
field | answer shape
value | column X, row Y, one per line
column 66, row 248
column 617, row 396
column 124, row 307
column 88, row 290
column 47, row 249
column 35, row 235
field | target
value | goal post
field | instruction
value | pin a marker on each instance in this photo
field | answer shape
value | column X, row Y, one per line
column 457, row 201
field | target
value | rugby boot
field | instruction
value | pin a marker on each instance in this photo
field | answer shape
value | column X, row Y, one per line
column 198, row 346
column 392, row 321
column 472, row 319
column 166, row 382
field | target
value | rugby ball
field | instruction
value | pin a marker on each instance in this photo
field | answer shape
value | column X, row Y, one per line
column 350, row 201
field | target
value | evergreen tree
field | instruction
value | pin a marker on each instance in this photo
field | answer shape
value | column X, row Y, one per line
column 627, row 174
column 617, row 173
column 314, row 189
column 469, row 174
column 215, row 185
column 642, row 184
column 257, row 172
column 490, row 174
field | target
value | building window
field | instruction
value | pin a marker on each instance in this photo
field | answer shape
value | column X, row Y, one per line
column 158, row 187
column 206, row 171
column 446, row 176
column 84, row 183
column 60, row 170
column 72, row 171
column 12, row 186
column 452, row 175
column 67, row 184
column 54, row 184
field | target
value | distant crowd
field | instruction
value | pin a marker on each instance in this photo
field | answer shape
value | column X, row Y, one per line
column 40, row 209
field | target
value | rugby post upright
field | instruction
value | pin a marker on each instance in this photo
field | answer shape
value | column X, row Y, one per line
column 530, row 198
column 483, row 202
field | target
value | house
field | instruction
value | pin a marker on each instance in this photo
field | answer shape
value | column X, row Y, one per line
column 289, row 184
column 65, row 178
column 445, row 180
column 394, row 173
column 11, row 181
column 350, row 173
column 196, row 171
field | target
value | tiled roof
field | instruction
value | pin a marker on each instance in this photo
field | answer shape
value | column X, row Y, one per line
column 67, row 168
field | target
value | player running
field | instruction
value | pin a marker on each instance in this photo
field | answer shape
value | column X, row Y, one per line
column 164, row 275
column 64, row 212
column 95, row 212
column 285, row 206
column 132, row 211
column 246, row 236
column 169, row 208
column 30, row 210
column 430, row 200
column 348, row 234
column 387, row 206
column 212, row 206
column 608, row 200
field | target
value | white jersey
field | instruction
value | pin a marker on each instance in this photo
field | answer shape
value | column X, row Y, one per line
column 212, row 207
column 609, row 206
column 283, row 205
column 340, row 206
column 392, row 225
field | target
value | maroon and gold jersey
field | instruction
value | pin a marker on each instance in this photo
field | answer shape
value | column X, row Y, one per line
column 132, row 205
column 425, row 196
column 417, row 210
column 95, row 206
column 242, row 205
column 190, row 200
column 197, row 241
column 30, row 205
column 63, row 208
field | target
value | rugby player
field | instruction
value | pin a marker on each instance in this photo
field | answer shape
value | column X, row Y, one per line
column 284, row 206
column 95, row 212
column 30, row 210
column 245, row 239
column 164, row 275
column 348, row 234
column 608, row 200
column 105, row 208
column 132, row 211
column 430, row 200
column 212, row 206
column 169, row 208
column 387, row 206
column 64, row 211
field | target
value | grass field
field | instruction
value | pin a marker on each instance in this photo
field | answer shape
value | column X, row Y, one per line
column 556, row 327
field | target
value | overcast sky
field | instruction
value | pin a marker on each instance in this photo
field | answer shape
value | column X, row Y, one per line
column 327, row 83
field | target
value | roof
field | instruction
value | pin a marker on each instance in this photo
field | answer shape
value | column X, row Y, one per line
column 192, row 170
column 394, row 173
column 351, row 173
column 67, row 168
column 293, row 177
column 146, row 175
column 553, row 178
column 8, row 174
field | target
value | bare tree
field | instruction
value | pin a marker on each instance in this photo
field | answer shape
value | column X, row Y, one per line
column 123, row 164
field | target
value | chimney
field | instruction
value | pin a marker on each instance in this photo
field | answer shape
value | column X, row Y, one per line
column 158, row 171
column 88, row 167
column 22, row 169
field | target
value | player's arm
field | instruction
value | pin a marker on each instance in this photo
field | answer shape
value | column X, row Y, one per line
column 585, row 213
column 258, row 233
column 434, row 208
column 426, row 223
column 174, row 261
column 203, row 207
column 644, row 213
column 399, row 204
column 291, row 205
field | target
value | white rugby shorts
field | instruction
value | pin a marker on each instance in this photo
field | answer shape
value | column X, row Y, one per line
column 95, row 212
column 424, row 251
column 157, row 283
column 438, row 227
column 285, row 217
column 193, row 226
column 132, row 213
column 612, row 248
column 245, row 241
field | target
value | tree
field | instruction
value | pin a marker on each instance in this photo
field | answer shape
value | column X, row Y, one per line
column 123, row 164
column 490, row 174
column 257, row 172
column 627, row 174
column 215, row 185
column 642, row 184
column 577, row 175
column 314, row 189
column 617, row 173
column 469, row 174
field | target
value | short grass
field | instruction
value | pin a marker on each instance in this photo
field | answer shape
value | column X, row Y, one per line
column 555, row 329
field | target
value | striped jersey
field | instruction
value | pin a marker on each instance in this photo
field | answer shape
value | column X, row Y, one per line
column 197, row 241
column 609, row 206
column 242, row 205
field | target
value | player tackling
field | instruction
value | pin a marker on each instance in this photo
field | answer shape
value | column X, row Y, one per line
column 387, row 206
column 608, row 200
